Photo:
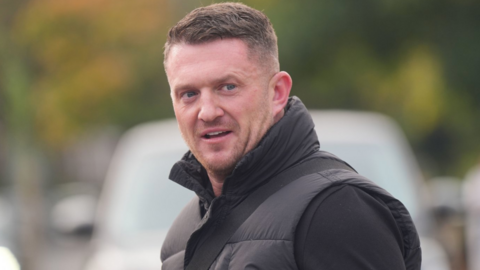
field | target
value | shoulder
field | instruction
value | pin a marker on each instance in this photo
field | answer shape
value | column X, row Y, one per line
column 348, row 226
column 346, row 202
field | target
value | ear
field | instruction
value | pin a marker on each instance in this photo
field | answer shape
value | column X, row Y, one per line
column 281, row 84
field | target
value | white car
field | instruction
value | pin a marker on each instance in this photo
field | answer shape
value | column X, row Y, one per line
column 471, row 190
column 138, row 203
column 8, row 260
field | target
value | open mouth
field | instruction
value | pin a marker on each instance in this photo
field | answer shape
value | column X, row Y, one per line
column 217, row 134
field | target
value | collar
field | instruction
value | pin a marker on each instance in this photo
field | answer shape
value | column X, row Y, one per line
column 287, row 143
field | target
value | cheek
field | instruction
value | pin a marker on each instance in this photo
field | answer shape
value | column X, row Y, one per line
column 185, row 120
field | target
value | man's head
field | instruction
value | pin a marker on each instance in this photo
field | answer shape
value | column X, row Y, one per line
column 227, row 21
column 225, row 92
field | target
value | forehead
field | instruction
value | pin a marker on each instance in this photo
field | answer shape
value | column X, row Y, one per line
column 209, row 58
column 220, row 48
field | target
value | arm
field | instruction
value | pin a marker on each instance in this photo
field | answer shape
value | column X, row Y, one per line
column 346, row 228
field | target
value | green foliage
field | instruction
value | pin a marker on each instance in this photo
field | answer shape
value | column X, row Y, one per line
column 413, row 60
column 97, row 62
column 93, row 63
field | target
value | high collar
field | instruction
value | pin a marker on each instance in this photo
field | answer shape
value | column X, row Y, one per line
column 289, row 141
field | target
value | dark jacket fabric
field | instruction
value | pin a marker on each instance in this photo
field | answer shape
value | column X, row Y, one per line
column 270, row 237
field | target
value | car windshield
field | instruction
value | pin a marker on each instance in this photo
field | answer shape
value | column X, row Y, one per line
column 384, row 165
column 145, row 199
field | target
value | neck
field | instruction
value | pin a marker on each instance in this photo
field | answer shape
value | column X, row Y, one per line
column 217, row 183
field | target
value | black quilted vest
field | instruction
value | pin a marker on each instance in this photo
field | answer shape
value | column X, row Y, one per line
column 265, row 239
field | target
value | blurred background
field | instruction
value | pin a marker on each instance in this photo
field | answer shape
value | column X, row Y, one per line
column 75, row 74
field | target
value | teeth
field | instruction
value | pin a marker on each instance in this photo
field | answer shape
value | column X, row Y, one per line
column 214, row 133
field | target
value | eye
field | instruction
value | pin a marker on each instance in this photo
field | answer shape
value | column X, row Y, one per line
column 189, row 94
column 230, row 87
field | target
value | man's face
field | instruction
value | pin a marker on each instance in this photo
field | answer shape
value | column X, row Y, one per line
column 222, row 101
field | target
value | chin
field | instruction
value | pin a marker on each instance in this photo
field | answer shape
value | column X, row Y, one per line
column 219, row 166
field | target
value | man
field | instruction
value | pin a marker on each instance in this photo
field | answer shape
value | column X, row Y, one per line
column 244, row 133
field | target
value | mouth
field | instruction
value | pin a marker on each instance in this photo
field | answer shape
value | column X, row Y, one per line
column 216, row 134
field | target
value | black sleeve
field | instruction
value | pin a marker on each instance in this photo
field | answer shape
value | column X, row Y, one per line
column 346, row 228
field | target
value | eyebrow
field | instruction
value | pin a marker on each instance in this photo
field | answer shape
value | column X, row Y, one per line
column 183, row 87
column 228, row 77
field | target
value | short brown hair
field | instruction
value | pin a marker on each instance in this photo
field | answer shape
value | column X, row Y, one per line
column 227, row 20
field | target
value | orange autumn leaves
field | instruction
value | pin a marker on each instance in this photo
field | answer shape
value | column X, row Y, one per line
column 86, row 56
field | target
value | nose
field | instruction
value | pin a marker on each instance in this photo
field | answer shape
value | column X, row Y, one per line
column 210, row 109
